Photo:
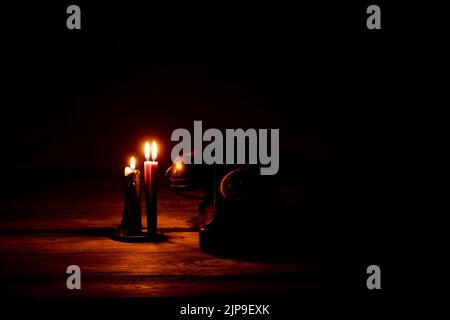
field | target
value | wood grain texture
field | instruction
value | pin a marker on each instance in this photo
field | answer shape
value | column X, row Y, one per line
column 43, row 233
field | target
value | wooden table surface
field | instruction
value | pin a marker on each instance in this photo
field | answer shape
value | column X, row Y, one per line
column 49, row 227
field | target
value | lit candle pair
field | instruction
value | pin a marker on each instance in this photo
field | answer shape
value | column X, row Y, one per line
column 150, row 190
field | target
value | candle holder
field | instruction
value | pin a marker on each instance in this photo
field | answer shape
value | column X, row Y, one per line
column 130, row 228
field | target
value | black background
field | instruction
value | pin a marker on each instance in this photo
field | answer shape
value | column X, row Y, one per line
column 315, row 72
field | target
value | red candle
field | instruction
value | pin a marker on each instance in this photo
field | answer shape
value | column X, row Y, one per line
column 150, row 174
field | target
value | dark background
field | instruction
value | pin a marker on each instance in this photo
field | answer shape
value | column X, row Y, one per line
column 85, row 100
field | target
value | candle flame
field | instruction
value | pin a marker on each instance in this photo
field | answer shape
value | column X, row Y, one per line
column 154, row 150
column 133, row 163
column 127, row 171
column 147, row 151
